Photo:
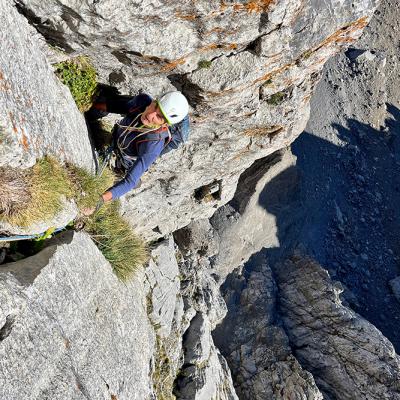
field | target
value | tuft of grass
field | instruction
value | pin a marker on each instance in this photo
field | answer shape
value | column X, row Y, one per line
column 80, row 77
column 14, row 193
column 116, row 240
column 204, row 64
column 47, row 183
column 36, row 194
column 88, row 187
column 276, row 99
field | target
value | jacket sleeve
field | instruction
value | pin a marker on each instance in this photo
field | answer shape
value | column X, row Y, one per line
column 147, row 154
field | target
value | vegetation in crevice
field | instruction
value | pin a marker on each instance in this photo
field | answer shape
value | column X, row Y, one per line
column 116, row 240
column 29, row 196
column 37, row 194
column 163, row 375
column 204, row 64
column 276, row 99
column 81, row 78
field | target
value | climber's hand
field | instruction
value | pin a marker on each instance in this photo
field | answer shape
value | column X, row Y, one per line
column 88, row 211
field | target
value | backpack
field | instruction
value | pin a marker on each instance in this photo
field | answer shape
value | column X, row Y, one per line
column 179, row 134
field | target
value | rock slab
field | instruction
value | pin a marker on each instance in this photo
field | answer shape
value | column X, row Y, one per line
column 70, row 329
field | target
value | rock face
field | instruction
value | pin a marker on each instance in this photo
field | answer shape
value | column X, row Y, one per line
column 248, row 69
column 204, row 373
column 349, row 216
column 70, row 329
column 249, row 222
column 258, row 350
column 37, row 113
column 348, row 357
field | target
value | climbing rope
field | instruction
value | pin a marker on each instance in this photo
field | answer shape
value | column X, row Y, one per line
column 28, row 237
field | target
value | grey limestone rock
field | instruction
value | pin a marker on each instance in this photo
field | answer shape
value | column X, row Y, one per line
column 246, row 224
column 247, row 68
column 162, row 276
column 255, row 344
column 205, row 374
column 348, row 357
column 70, row 329
column 37, row 113
column 165, row 310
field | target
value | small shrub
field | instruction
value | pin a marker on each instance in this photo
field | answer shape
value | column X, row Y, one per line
column 204, row 64
column 80, row 77
column 276, row 99
column 116, row 240
column 307, row 54
column 47, row 183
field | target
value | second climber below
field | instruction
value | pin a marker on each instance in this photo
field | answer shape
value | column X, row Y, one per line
column 149, row 129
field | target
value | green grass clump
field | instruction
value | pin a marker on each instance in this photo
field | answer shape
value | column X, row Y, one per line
column 204, row 64
column 80, row 77
column 276, row 98
column 116, row 240
column 89, row 187
column 47, row 183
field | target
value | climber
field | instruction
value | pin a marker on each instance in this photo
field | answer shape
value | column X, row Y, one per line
column 150, row 128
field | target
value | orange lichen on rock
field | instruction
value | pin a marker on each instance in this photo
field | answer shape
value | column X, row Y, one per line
column 173, row 64
column 14, row 127
column 24, row 141
column 257, row 6
column 186, row 17
column 344, row 35
column 4, row 85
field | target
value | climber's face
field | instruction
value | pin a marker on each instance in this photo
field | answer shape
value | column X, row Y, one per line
column 152, row 116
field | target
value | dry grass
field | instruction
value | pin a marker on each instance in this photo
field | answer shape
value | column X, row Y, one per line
column 116, row 240
column 42, row 190
column 87, row 187
column 262, row 131
column 14, row 193
column 36, row 194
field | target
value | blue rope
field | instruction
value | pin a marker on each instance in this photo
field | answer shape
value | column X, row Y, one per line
column 26, row 237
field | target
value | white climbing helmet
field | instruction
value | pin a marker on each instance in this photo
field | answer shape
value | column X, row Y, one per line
column 173, row 106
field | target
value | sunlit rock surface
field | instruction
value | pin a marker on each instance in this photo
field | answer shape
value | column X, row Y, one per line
column 248, row 69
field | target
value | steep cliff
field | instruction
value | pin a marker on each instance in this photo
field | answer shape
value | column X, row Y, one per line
column 70, row 329
column 248, row 69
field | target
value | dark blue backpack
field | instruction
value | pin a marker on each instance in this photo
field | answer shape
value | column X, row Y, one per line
column 179, row 134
